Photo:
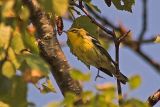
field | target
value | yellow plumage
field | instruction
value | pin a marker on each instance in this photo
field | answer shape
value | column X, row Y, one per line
column 90, row 52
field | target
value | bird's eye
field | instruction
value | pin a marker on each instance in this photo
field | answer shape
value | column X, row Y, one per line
column 74, row 31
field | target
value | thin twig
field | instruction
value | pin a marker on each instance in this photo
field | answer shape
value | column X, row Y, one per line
column 81, row 7
column 117, row 42
column 144, row 23
column 121, row 38
column 117, row 69
column 148, row 59
column 102, row 19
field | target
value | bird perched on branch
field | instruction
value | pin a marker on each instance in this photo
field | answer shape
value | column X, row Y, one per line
column 90, row 52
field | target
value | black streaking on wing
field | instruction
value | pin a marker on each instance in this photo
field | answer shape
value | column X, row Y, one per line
column 106, row 71
column 101, row 49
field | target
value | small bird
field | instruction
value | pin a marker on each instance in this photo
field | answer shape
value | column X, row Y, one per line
column 90, row 52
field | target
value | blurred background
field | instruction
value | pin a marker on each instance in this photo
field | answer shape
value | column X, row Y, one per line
column 130, row 63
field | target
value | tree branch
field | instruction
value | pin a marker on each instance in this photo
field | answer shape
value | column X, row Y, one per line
column 81, row 7
column 155, row 65
column 134, row 45
column 102, row 19
column 50, row 49
column 153, row 99
column 144, row 19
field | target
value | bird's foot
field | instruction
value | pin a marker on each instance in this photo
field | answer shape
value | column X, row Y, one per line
column 98, row 76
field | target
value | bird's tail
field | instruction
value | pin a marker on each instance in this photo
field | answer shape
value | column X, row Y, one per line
column 122, row 78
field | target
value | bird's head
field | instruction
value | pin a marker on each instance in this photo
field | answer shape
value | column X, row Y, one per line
column 76, row 32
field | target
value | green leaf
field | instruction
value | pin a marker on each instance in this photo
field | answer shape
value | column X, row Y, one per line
column 30, row 42
column 78, row 75
column 124, row 4
column 47, row 5
column 8, row 69
column 135, row 103
column 5, row 34
column 60, row 7
column 4, row 104
column 17, row 42
column 2, row 53
column 105, row 43
column 87, row 96
column 24, row 13
column 47, row 87
column 69, row 99
column 13, row 91
column 7, row 9
column 157, row 39
column 85, row 23
column 37, row 63
column 108, row 90
column 53, row 104
column 13, row 58
column 134, row 82
column 93, row 7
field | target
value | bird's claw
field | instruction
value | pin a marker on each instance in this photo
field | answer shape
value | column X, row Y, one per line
column 98, row 76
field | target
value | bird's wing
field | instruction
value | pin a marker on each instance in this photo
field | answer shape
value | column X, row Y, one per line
column 101, row 49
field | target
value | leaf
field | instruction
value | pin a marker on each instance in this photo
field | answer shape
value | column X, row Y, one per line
column 47, row 5
column 2, row 53
column 13, row 91
column 108, row 2
column 47, row 87
column 78, row 75
column 124, row 4
column 85, row 23
column 17, row 42
column 29, row 41
column 7, row 10
column 31, row 75
column 93, row 7
column 2, row 104
column 8, row 69
column 36, row 63
column 105, row 43
column 24, row 13
column 87, row 96
column 13, row 58
column 60, row 7
column 53, row 104
column 69, row 99
column 108, row 90
column 59, row 24
column 135, row 103
column 157, row 39
column 5, row 34
column 134, row 82
column 105, row 87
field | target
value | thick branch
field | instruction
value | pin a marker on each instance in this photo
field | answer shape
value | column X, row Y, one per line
column 50, row 49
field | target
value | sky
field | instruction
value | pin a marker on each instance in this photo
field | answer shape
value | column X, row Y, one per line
column 130, row 63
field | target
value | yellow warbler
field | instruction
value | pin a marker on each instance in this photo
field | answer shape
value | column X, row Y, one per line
column 90, row 52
